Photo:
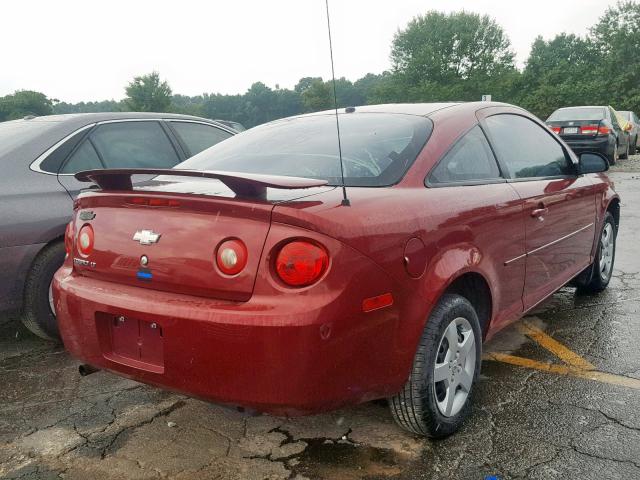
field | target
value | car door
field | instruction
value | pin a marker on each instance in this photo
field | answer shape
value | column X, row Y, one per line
column 621, row 135
column 194, row 136
column 120, row 144
column 481, row 212
column 558, row 204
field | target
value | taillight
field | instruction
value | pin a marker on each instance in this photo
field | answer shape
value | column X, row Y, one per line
column 604, row 131
column 85, row 240
column 154, row 202
column 68, row 239
column 231, row 256
column 300, row 263
column 556, row 130
column 589, row 129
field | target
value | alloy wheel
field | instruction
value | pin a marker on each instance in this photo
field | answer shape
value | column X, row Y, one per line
column 51, row 303
column 454, row 367
column 607, row 248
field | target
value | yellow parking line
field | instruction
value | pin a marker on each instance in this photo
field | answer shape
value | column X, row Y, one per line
column 565, row 370
column 555, row 347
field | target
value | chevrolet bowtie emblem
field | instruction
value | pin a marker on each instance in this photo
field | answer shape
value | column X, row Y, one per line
column 146, row 237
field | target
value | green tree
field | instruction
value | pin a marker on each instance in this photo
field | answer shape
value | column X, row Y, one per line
column 566, row 70
column 23, row 103
column 317, row 96
column 617, row 38
column 456, row 56
column 148, row 93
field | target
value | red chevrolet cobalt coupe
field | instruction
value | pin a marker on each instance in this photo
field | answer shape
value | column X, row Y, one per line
column 243, row 277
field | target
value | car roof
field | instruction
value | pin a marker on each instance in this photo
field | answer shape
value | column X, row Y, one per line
column 81, row 119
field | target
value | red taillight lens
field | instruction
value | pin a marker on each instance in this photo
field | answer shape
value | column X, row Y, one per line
column 231, row 257
column 68, row 239
column 85, row 240
column 301, row 263
column 589, row 129
column 556, row 130
column 604, row 131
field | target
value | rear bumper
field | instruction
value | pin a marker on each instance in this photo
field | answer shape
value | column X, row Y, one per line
column 600, row 145
column 304, row 354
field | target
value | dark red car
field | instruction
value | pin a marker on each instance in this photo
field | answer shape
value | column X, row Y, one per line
column 244, row 278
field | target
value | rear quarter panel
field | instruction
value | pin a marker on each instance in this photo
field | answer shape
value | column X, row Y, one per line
column 34, row 210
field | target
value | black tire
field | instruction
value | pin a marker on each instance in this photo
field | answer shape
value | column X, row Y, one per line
column 626, row 152
column 37, row 315
column 634, row 146
column 614, row 155
column 593, row 279
column 415, row 407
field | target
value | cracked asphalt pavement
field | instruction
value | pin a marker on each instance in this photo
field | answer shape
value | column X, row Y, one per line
column 526, row 422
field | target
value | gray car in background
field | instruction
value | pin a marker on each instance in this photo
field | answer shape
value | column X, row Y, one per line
column 632, row 118
column 38, row 157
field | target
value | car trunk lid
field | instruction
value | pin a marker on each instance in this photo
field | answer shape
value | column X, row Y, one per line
column 163, row 235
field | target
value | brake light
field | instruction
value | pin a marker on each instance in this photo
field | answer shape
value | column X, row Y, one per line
column 68, row 239
column 155, row 202
column 301, row 263
column 85, row 240
column 604, row 131
column 555, row 130
column 231, row 256
column 589, row 129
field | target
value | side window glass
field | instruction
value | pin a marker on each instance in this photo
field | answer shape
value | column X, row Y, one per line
column 84, row 158
column 470, row 159
column 198, row 136
column 527, row 149
column 614, row 120
column 135, row 145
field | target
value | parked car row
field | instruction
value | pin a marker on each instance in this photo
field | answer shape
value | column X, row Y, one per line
column 597, row 129
column 39, row 157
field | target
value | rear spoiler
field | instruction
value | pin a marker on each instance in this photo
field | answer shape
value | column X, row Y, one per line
column 243, row 184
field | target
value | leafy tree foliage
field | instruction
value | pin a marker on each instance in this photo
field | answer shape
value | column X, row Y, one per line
column 450, row 56
column 148, row 94
column 23, row 103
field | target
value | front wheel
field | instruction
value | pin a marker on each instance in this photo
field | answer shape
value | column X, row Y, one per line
column 626, row 152
column 436, row 399
column 614, row 155
column 601, row 269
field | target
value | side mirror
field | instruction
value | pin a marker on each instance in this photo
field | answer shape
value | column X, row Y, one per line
column 592, row 162
column 628, row 127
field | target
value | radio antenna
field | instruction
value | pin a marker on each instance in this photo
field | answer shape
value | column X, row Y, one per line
column 345, row 200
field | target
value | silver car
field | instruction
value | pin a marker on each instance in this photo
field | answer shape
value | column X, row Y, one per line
column 38, row 157
column 632, row 118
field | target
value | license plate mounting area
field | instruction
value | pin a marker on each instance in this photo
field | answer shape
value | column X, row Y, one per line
column 130, row 341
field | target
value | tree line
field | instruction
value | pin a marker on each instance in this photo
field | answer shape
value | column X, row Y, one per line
column 436, row 57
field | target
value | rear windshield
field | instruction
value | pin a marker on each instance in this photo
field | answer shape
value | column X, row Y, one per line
column 20, row 132
column 584, row 113
column 377, row 148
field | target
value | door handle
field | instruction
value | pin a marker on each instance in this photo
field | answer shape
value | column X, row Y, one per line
column 539, row 212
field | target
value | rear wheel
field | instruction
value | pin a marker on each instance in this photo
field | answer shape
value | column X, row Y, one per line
column 38, row 313
column 614, row 155
column 601, row 270
column 634, row 146
column 625, row 154
column 437, row 396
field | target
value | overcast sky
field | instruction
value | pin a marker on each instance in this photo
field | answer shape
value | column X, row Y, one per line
column 83, row 50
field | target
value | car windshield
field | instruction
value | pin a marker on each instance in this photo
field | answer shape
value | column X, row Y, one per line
column 578, row 113
column 377, row 148
column 16, row 133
